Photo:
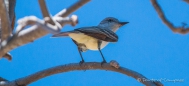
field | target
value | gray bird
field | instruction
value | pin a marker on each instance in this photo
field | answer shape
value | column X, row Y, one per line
column 94, row 37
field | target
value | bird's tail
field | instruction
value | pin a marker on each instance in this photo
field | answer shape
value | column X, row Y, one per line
column 62, row 34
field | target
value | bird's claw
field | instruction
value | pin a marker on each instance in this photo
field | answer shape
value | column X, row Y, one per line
column 104, row 61
column 81, row 62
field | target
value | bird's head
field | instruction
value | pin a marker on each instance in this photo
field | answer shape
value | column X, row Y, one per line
column 112, row 23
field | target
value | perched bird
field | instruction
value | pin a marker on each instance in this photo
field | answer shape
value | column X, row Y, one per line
column 94, row 37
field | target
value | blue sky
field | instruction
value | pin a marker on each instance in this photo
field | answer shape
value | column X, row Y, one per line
column 145, row 45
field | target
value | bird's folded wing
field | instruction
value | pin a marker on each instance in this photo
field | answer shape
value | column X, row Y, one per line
column 99, row 33
column 63, row 34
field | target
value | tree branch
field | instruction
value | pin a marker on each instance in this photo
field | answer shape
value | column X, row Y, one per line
column 187, row 1
column 5, row 22
column 12, row 4
column 85, row 66
column 181, row 30
column 45, row 12
column 10, row 7
column 35, row 31
column 74, row 7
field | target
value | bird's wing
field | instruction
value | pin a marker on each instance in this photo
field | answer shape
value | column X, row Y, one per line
column 99, row 33
column 62, row 34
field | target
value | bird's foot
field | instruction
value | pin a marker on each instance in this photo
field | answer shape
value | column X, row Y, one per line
column 81, row 62
column 104, row 61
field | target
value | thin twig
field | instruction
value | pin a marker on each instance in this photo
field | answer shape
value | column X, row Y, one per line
column 45, row 12
column 0, row 30
column 5, row 22
column 181, row 30
column 85, row 66
column 74, row 7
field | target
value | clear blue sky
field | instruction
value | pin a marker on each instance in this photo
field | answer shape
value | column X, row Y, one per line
column 145, row 45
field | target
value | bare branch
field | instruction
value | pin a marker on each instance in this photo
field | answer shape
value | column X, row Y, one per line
column 11, row 10
column 10, row 5
column 5, row 22
column 33, row 33
column 187, row 1
column 8, row 56
column 74, row 7
column 85, row 66
column 54, row 29
column 45, row 12
column 158, row 9
column 30, row 34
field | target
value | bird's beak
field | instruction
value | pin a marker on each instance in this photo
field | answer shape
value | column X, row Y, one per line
column 123, row 23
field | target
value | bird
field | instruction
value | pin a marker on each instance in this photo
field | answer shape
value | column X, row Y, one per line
column 94, row 37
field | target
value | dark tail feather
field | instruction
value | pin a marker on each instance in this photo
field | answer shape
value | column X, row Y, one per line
column 62, row 34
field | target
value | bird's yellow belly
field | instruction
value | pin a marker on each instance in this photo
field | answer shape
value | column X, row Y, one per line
column 90, row 42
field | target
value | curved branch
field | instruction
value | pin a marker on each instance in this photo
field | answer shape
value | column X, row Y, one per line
column 158, row 9
column 45, row 12
column 85, row 66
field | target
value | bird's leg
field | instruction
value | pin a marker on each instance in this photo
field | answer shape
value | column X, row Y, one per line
column 82, row 60
column 104, row 61
column 99, row 44
column 79, row 49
